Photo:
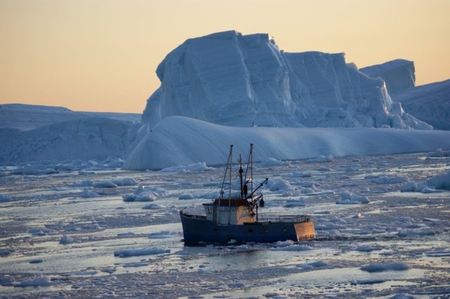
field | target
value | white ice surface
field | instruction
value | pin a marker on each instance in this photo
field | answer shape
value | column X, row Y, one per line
column 180, row 140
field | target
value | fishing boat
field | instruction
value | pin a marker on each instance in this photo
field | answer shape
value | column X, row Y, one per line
column 234, row 216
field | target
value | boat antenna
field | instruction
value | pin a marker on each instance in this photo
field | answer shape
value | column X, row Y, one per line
column 229, row 163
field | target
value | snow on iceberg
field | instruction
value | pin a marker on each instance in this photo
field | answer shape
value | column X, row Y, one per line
column 180, row 140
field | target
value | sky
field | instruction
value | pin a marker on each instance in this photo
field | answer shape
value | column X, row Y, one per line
column 101, row 55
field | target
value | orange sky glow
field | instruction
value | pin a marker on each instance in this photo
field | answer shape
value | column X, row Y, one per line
column 101, row 55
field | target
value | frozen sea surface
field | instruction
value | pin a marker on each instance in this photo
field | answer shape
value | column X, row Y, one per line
column 80, row 234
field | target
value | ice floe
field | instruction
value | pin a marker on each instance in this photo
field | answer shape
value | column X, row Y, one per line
column 139, row 252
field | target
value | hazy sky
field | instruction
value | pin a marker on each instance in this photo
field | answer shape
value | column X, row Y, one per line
column 101, row 55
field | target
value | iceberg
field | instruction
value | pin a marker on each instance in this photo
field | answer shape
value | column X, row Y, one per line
column 429, row 103
column 240, row 80
column 179, row 140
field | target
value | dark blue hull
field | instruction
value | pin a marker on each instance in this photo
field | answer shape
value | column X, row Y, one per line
column 198, row 229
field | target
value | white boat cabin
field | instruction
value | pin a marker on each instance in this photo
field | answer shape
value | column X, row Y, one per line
column 233, row 211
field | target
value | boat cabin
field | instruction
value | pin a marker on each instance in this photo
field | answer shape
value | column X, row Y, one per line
column 230, row 211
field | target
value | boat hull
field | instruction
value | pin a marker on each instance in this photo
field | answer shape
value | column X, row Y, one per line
column 198, row 229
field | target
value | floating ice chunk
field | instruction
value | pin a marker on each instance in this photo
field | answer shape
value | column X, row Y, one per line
column 125, row 182
column 433, row 185
column 441, row 181
column 37, row 281
column 87, row 193
column 105, row 184
column 157, row 191
column 439, row 153
column 129, row 197
column 146, row 197
column 144, row 194
column 66, row 240
column 349, row 198
column 385, row 267
column 409, row 187
column 277, row 185
column 141, row 197
column 139, row 252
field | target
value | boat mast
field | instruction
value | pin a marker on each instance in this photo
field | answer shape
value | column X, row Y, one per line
column 251, row 166
column 228, row 169
column 230, row 164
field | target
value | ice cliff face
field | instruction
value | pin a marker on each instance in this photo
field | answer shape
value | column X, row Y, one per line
column 85, row 139
column 234, row 79
column 398, row 74
column 430, row 103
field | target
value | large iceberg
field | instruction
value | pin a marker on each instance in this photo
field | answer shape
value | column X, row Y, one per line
column 178, row 140
column 233, row 79
column 84, row 139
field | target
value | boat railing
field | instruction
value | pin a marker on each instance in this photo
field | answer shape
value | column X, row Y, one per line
column 285, row 218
